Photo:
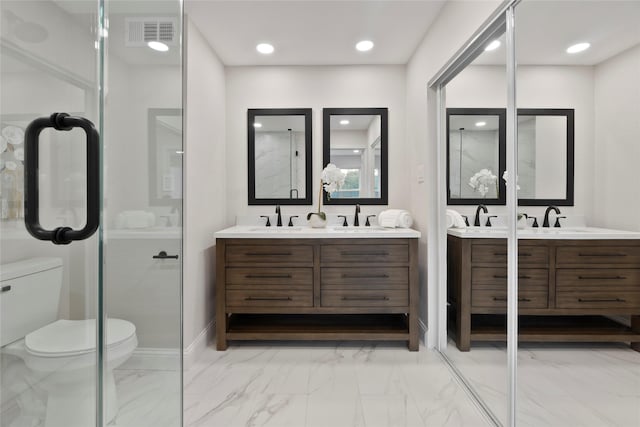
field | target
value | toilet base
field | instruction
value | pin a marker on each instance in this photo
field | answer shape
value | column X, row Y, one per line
column 74, row 405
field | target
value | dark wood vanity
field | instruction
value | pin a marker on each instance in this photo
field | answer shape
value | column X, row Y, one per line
column 569, row 290
column 317, row 289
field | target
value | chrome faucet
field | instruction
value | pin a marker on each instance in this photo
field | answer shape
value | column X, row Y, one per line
column 279, row 222
column 545, row 223
column 476, row 221
column 356, row 223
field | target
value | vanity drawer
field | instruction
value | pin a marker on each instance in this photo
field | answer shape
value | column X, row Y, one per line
column 598, row 255
column 269, row 277
column 370, row 254
column 498, row 299
column 269, row 298
column 496, row 278
column 598, row 279
column 606, row 299
column 364, row 278
column 497, row 254
column 269, row 254
column 365, row 298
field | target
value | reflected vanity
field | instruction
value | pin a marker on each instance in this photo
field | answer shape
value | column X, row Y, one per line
column 355, row 140
column 279, row 156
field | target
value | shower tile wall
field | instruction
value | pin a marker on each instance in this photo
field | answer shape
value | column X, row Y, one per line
column 479, row 151
column 275, row 158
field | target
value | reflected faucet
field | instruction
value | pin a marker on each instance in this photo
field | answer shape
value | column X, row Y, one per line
column 476, row 221
column 545, row 223
column 356, row 222
column 279, row 221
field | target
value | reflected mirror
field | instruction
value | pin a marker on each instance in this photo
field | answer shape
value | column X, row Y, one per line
column 475, row 156
column 476, row 153
column 355, row 140
column 545, row 157
column 165, row 156
column 279, row 156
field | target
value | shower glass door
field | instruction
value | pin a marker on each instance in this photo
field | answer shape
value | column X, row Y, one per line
column 91, row 329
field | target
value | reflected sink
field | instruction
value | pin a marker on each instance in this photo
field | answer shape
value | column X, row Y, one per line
column 275, row 229
column 359, row 229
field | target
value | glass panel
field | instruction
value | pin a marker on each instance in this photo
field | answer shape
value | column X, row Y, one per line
column 48, row 63
column 142, row 237
column 477, row 255
column 578, row 290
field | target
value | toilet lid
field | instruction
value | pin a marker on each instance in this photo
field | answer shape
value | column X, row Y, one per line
column 74, row 337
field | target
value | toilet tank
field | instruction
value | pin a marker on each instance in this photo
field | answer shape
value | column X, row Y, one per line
column 29, row 296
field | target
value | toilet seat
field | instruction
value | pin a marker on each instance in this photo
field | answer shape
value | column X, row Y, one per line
column 67, row 338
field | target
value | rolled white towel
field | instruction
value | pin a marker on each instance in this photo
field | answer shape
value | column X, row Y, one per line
column 392, row 218
column 455, row 220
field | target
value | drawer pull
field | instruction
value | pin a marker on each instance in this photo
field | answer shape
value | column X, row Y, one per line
column 602, row 300
column 268, row 276
column 505, row 299
column 267, row 299
column 602, row 255
column 347, row 253
column 601, row 277
column 365, row 276
column 268, row 253
column 371, row 298
column 505, row 254
column 504, row 276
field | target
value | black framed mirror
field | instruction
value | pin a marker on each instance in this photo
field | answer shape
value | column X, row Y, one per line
column 280, row 153
column 165, row 156
column 476, row 156
column 546, row 146
column 356, row 141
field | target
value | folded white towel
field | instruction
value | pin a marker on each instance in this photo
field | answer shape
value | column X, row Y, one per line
column 454, row 219
column 392, row 218
column 135, row 219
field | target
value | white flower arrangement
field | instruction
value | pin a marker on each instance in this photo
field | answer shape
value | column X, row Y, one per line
column 505, row 176
column 482, row 181
column 331, row 180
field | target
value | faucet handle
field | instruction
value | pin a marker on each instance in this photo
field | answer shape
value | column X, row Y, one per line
column 344, row 223
column 367, row 223
column 466, row 220
column 557, row 224
column 291, row 220
column 268, row 224
column 488, row 224
column 535, row 221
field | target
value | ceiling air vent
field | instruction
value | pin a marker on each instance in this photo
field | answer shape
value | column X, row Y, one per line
column 140, row 31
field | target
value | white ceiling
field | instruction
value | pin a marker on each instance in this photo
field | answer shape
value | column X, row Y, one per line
column 544, row 30
column 312, row 32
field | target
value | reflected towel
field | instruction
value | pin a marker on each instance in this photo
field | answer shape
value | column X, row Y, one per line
column 455, row 220
column 392, row 218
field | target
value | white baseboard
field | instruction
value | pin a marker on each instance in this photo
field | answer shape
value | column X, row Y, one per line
column 197, row 347
column 423, row 332
column 167, row 359
column 153, row 359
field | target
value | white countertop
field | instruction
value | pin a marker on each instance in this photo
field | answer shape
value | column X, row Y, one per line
column 304, row 232
column 569, row 233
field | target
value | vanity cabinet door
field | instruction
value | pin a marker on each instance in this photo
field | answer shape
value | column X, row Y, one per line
column 369, row 254
column 365, row 278
column 365, row 298
column 269, row 277
column 269, row 254
column 247, row 298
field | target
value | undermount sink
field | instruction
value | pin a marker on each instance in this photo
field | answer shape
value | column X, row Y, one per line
column 358, row 229
column 275, row 229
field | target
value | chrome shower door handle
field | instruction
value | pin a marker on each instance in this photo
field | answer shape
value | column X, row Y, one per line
column 61, row 122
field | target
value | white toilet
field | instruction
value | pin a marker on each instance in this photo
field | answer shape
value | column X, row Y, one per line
column 61, row 353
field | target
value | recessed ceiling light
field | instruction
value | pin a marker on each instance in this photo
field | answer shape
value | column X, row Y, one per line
column 159, row 46
column 344, row 122
column 364, row 45
column 578, row 47
column 257, row 125
column 356, row 151
column 265, row 48
column 480, row 124
column 493, row 45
